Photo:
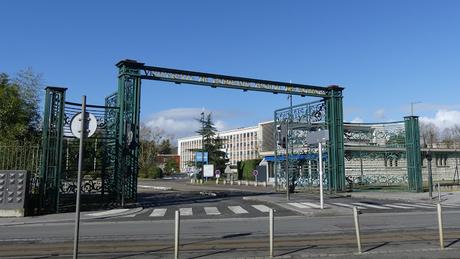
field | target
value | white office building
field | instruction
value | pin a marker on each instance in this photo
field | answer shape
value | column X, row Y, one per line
column 239, row 144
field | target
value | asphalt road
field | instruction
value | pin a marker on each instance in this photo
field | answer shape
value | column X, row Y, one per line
column 403, row 231
column 219, row 222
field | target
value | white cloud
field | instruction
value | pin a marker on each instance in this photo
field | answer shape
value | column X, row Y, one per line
column 357, row 120
column 182, row 122
column 379, row 114
column 444, row 118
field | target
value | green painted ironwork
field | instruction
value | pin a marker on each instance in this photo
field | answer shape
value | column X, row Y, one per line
column 58, row 170
column 129, row 89
column 298, row 121
column 99, row 163
column 334, row 121
column 52, row 137
column 375, row 155
column 414, row 170
column 131, row 72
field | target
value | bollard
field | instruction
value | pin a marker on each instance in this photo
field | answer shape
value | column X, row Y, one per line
column 231, row 182
column 358, row 237
column 176, row 235
column 265, row 184
column 247, row 183
column 441, row 232
column 271, row 230
column 239, row 182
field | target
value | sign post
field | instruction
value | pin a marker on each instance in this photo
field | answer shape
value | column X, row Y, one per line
column 81, row 135
column 319, row 137
column 255, row 173
column 320, row 150
column 83, row 125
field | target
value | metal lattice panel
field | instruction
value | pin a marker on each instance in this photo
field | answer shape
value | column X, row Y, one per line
column 298, row 121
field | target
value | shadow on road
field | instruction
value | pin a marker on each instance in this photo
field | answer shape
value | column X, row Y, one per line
column 377, row 246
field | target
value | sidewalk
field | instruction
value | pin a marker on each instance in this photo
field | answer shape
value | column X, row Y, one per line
column 279, row 199
column 67, row 217
column 451, row 197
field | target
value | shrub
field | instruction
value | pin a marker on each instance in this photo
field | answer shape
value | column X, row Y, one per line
column 151, row 172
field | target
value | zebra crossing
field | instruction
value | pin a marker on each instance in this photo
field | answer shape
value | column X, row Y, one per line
column 156, row 213
column 372, row 205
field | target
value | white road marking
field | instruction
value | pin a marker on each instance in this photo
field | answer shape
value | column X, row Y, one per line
column 298, row 205
column 211, row 211
column 348, row 205
column 186, row 211
column 261, row 208
column 399, row 206
column 158, row 213
column 311, row 205
column 416, row 205
column 237, row 209
column 371, row 206
column 108, row 213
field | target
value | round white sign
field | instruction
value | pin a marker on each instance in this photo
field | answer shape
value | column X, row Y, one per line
column 75, row 124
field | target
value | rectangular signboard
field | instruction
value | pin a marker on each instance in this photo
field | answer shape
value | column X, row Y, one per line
column 208, row 171
column 201, row 157
column 314, row 137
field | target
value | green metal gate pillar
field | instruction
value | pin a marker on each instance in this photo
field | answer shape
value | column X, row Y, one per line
column 129, row 91
column 336, row 153
column 52, row 137
column 414, row 170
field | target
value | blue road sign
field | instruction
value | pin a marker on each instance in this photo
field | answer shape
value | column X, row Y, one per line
column 198, row 157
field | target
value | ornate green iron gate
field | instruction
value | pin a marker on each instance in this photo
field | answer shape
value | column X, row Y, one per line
column 296, row 123
column 58, row 174
column 120, row 139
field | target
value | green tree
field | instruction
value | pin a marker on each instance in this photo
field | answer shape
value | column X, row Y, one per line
column 19, row 112
column 165, row 147
column 212, row 142
column 171, row 166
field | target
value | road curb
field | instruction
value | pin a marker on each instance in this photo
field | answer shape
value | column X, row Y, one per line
column 71, row 218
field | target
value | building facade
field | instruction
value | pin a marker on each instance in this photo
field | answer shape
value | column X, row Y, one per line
column 374, row 154
column 239, row 145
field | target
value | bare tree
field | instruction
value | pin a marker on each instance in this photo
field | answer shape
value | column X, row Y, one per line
column 447, row 137
column 429, row 133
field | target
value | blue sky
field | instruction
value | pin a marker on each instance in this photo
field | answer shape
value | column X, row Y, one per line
column 386, row 54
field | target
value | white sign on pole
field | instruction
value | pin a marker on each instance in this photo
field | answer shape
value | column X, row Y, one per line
column 75, row 125
column 314, row 137
column 217, row 173
column 208, row 171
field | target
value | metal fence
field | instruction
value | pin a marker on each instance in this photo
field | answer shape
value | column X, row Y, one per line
column 375, row 154
column 25, row 157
